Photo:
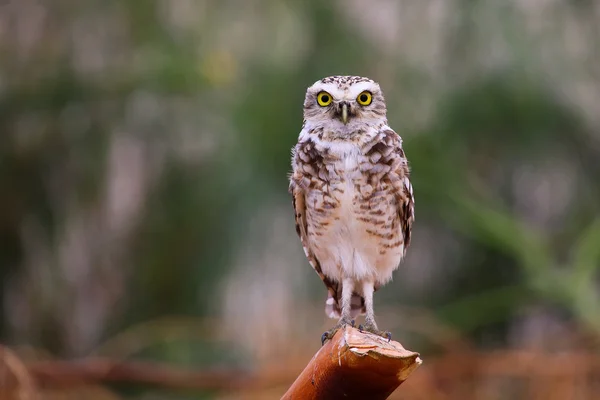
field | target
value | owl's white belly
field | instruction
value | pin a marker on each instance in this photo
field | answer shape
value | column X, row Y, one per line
column 347, row 246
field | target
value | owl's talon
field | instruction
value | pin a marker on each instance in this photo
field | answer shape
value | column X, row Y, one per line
column 331, row 333
column 388, row 335
column 361, row 328
column 353, row 322
column 373, row 329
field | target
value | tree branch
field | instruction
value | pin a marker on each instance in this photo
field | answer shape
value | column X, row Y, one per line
column 354, row 365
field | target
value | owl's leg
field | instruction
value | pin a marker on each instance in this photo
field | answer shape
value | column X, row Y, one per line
column 370, row 324
column 345, row 318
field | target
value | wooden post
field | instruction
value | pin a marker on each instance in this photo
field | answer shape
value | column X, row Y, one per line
column 354, row 365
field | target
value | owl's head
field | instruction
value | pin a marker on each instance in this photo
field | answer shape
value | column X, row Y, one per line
column 345, row 101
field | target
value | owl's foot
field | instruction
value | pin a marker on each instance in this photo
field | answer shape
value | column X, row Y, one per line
column 373, row 329
column 331, row 333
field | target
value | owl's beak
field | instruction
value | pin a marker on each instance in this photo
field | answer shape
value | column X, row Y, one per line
column 345, row 113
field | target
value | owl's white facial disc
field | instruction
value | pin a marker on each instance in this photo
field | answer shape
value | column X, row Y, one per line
column 346, row 92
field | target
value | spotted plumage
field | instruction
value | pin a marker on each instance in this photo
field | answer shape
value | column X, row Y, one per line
column 352, row 197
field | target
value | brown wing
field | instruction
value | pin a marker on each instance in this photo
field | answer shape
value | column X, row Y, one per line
column 400, row 178
column 407, row 212
column 390, row 164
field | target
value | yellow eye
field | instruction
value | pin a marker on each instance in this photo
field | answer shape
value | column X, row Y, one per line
column 324, row 99
column 365, row 98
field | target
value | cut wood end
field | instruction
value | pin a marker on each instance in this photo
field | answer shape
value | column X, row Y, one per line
column 355, row 364
column 365, row 342
column 391, row 353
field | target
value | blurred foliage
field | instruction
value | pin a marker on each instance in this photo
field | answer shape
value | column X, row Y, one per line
column 144, row 151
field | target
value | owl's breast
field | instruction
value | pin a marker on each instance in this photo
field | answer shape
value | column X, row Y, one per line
column 354, row 223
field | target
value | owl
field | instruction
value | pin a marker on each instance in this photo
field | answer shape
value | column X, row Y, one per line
column 352, row 197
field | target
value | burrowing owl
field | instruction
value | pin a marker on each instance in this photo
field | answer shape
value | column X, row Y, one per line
column 352, row 195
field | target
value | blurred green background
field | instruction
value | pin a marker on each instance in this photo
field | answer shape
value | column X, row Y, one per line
column 145, row 146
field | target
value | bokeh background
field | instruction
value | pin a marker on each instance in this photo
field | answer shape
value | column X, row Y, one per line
column 144, row 213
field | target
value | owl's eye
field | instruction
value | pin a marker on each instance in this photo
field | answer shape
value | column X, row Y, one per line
column 365, row 98
column 324, row 99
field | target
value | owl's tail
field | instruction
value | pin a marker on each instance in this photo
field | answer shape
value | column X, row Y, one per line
column 333, row 306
